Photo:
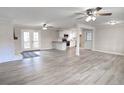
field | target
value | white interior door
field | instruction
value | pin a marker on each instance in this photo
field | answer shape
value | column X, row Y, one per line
column 30, row 40
column 88, row 40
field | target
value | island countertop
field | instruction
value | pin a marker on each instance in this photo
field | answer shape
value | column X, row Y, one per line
column 59, row 45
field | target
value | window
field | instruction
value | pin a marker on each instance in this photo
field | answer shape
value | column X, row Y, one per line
column 88, row 35
column 30, row 40
column 35, row 40
column 26, row 40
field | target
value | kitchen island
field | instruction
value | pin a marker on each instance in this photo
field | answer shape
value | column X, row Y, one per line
column 59, row 45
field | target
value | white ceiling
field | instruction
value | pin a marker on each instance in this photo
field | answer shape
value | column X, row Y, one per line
column 56, row 16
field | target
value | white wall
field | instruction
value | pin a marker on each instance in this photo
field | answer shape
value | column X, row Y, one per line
column 47, row 37
column 7, row 49
column 110, row 39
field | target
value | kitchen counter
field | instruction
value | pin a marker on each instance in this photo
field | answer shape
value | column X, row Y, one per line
column 59, row 45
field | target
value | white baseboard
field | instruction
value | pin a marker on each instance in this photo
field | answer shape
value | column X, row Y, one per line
column 116, row 53
column 35, row 49
column 45, row 48
column 16, row 57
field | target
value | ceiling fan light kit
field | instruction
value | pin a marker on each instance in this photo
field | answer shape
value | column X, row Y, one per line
column 90, row 18
column 44, row 28
column 93, row 18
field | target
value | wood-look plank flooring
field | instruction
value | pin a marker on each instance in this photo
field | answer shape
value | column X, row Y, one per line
column 55, row 67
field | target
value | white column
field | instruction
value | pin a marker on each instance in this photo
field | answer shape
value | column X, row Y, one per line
column 78, row 42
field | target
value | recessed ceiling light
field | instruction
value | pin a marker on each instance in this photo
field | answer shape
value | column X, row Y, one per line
column 113, row 22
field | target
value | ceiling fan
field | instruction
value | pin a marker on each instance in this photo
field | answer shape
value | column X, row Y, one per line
column 92, row 13
column 50, row 27
column 46, row 26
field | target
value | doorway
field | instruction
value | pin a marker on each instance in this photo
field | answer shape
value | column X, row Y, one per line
column 86, row 38
column 30, row 40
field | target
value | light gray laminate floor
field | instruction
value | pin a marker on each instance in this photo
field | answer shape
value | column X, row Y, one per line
column 64, row 68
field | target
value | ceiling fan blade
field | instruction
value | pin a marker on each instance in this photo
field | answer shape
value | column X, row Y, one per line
column 98, row 8
column 79, row 18
column 79, row 13
column 50, row 27
column 104, row 14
